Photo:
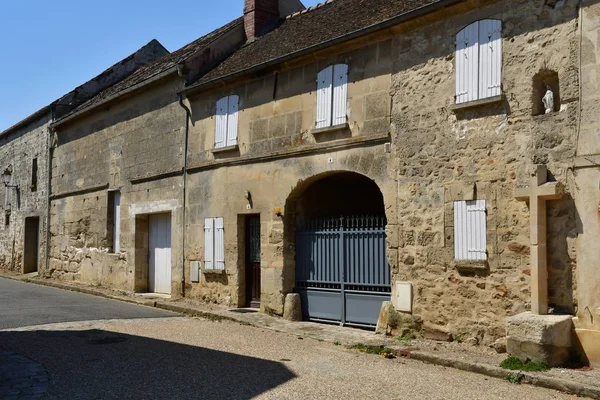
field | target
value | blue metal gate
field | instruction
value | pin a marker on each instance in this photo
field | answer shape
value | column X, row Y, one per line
column 342, row 272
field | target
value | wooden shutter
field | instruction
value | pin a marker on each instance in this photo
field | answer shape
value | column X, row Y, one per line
column 219, row 244
column 117, row 222
column 324, row 97
column 467, row 63
column 470, row 230
column 221, row 124
column 340, row 93
column 209, row 233
column 232, row 120
column 490, row 58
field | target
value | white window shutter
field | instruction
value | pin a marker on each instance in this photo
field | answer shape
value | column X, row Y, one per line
column 470, row 241
column 324, row 97
column 340, row 93
column 117, row 223
column 467, row 63
column 209, row 233
column 490, row 58
column 221, row 124
column 232, row 120
column 219, row 244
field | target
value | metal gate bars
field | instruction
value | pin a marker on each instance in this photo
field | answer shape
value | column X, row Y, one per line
column 342, row 273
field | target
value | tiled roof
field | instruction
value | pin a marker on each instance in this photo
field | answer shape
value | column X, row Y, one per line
column 159, row 66
column 312, row 27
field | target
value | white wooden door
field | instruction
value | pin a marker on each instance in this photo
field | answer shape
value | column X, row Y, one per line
column 159, row 244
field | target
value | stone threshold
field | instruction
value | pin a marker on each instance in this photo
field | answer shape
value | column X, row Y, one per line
column 461, row 356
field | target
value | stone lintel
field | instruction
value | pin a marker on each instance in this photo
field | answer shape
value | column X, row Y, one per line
column 540, row 337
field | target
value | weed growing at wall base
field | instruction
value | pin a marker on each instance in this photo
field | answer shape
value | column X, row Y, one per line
column 515, row 364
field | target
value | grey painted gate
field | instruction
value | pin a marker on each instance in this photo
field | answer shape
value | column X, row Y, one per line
column 342, row 273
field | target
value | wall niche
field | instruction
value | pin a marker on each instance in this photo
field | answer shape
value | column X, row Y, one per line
column 543, row 80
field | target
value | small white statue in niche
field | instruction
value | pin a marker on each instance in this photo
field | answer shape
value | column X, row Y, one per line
column 548, row 100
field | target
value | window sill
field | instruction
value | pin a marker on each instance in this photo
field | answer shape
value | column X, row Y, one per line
column 471, row 265
column 225, row 149
column 333, row 128
column 213, row 271
column 477, row 103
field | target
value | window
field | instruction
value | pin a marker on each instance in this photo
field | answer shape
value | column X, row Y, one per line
column 34, row 174
column 470, row 230
column 479, row 61
column 332, row 93
column 8, row 194
column 214, row 245
column 227, row 121
column 114, row 221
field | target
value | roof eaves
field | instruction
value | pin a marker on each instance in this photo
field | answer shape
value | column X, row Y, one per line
column 115, row 96
column 27, row 119
column 340, row 39
column 233, row 24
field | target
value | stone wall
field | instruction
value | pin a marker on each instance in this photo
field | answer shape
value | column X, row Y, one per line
column 484, row 153
column 116, row 148
column 278, row 150
column 587, row 184
column 18, row 148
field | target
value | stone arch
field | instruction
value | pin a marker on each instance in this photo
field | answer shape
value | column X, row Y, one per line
column 361, row 196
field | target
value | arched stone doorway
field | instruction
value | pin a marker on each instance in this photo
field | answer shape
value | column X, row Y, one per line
column 335, row 222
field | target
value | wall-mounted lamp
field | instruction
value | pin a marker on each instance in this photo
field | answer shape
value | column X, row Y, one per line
column 278, row 211
column 6, row 177
column 248, row 197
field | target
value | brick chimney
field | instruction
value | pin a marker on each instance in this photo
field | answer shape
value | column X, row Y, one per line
column 258, row 15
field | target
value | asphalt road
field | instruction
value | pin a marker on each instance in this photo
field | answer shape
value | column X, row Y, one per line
column 127, row 356
column 25, row 304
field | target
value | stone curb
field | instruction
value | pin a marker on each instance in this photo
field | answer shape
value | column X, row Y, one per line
column 497, row 372
column 444, row 361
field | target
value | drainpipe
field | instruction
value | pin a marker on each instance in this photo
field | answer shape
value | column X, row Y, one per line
column 48, row 183
column 185, row 153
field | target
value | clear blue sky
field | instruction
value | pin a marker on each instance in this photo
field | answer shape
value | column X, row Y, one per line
column 47, row 48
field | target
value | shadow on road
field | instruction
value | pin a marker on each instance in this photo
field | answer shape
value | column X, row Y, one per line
column 96, row 364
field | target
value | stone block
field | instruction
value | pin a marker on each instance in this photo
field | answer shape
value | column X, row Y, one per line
column 540, row 337
column 292, row 308
column 391, row 322
column 435, row 332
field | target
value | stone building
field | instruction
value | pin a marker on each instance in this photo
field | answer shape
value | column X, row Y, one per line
column 24, row 155
column 354, row 154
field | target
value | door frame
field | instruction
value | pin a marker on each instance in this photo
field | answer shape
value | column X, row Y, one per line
column 138, row 217
column 25, row 243
column 251, row 275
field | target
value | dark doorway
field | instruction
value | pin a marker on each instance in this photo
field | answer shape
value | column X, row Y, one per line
column 32, row 245
column 252, row 260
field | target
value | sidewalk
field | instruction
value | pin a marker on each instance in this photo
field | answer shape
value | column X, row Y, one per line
column 463, row 356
